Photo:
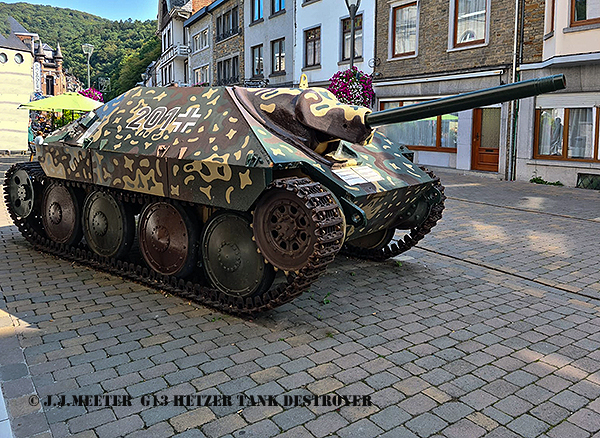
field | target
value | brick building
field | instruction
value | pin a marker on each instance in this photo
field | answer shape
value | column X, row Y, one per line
column 436, row 48
column 228, row 49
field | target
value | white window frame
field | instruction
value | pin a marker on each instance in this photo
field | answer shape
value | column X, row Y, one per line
column 391, row 30
column 486, row 41
column 199, row 72
column 197, row 43
column 362, row 37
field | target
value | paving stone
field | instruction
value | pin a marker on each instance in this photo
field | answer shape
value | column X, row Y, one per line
column 91, row 420
column 550, row 413
column 569, row 400
column 586, row 419
column 417, row 404
column 390, row 418
column 452, row 411
column 464, row 429
column 120, row 427
column 326, row 424
column 426, row 424
column 191, row 419
column 363, row 428
column 567, row 429
column 527, row 426
column 478, row 399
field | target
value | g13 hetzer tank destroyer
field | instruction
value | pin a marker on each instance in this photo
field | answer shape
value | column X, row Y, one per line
column 210, row 191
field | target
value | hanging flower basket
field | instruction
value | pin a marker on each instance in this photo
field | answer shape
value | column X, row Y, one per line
column 353, row 87
column 92, row 93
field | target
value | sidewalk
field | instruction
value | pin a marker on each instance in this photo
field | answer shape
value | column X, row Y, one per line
column 490, row 327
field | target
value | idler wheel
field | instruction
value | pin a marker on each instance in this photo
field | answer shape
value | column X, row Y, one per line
column 168, row 237
column 376, row 241
column 284, row 229
column 108, row 226
column 231, row 258
column 21, row 193
column 61, row 214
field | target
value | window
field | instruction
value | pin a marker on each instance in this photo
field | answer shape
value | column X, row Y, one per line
column 278, row 56
column 312, row 47
column 49, row 86
column 550, row 16
column 201, row 76
column 469, row 22
column 567, row 133
column 204, row 39
column 227, row 24
column 228, row 71
column 3, row 58
column 277, row 6
column 346, row 38
column 404, row 30
column 257, row 61
column 438, row 133
column 585, row 12
column 257, row 10
column 200, row 40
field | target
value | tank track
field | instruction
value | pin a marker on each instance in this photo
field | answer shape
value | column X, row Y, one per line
column 328, row 245
column 395, row 248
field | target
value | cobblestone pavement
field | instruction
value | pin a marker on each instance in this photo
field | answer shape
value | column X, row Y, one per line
column 475, row 333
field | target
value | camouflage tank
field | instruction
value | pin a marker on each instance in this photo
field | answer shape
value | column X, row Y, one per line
column 211, row 191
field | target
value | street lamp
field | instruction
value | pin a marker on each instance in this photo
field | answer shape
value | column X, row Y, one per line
column 352, row 6
column 88, row 49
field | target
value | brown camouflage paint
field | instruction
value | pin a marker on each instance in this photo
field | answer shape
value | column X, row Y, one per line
column 222, row 147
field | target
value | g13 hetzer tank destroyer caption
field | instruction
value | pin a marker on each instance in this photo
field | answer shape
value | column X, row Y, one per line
column 212, row 191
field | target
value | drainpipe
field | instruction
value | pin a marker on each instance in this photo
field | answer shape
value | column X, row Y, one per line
column 510, row 171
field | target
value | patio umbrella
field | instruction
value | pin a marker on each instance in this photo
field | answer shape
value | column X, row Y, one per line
column 66, row 101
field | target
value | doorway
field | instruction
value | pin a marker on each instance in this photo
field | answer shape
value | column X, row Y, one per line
column 486, row 139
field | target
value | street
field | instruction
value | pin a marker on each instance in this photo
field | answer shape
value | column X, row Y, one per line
column 489, row 327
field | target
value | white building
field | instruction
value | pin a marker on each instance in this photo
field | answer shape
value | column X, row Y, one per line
column 200, row 35
column 322, row 40
column 173, row 62
column 269, row 41
column 558, row 133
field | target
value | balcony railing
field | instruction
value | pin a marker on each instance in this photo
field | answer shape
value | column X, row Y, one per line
column 228, row 81
column 256, row 83
column 228, row 33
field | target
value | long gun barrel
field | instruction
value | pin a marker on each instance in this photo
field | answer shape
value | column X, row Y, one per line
column 466, row 101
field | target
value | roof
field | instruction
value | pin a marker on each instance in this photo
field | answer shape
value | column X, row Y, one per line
column 15, row 26
column 202, row 12
column 13, row 42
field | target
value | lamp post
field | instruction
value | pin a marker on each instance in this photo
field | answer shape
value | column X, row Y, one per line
column 88, row 49
column 352, row 6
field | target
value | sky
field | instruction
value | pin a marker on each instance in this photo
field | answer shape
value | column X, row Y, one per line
column 111, row 9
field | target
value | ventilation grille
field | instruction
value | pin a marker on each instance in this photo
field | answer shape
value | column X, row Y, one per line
column 588, row 181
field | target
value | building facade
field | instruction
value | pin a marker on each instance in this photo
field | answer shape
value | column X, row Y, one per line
column 269, row 41
column 441, row 48
column 201, row 37
column 173, row 62
column 29, row 69
column 322, row 40
column 228, row 45
column 16, row 88
column 558, row 133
